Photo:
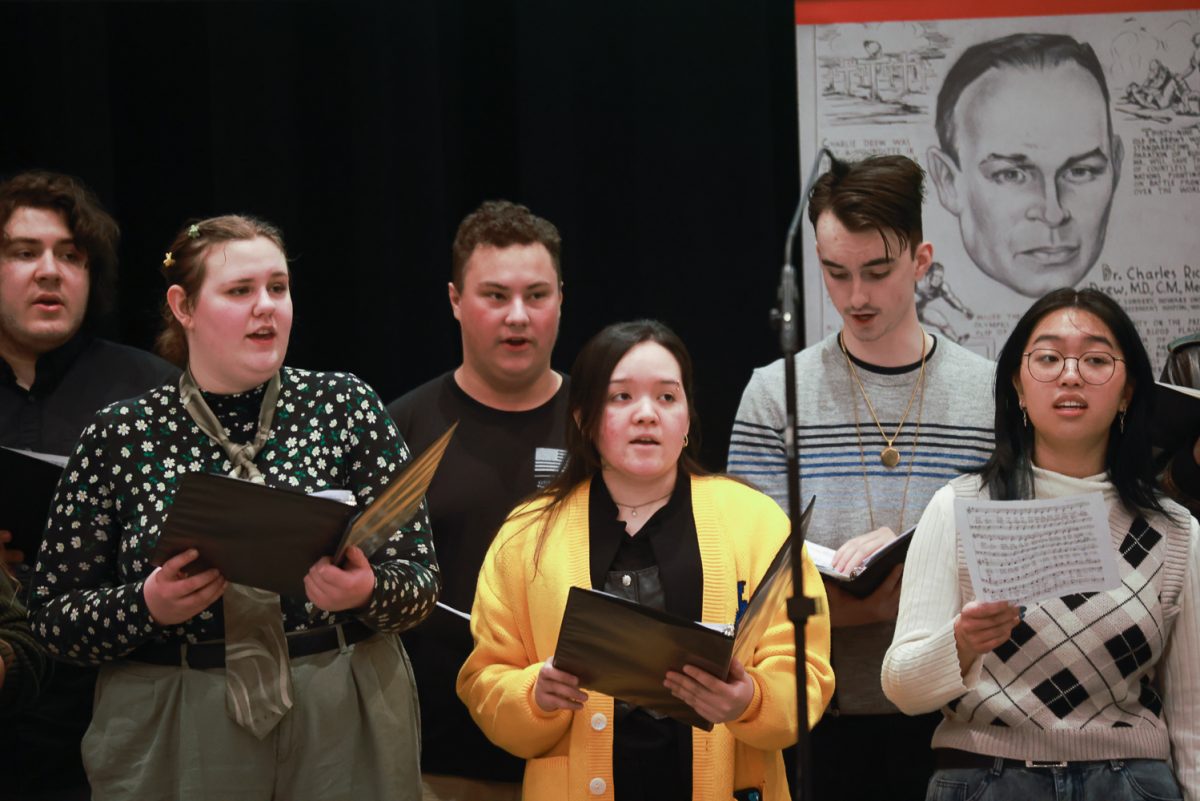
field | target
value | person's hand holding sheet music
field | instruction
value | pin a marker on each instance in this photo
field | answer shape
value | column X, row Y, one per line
column 847, row 610
column 980, row 627
column 173, row 597
column 334, row 588
column 714, row 700
column 556, row 689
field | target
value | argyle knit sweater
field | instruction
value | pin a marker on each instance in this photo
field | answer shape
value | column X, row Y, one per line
column 1089, row 676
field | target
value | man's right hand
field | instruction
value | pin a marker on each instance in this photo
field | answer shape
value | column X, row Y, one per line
column 878, row 607
column 172, row 596
column 855, row 551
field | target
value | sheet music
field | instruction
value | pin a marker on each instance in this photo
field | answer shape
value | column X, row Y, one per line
column 1025, row 551
column 822, row 557
column 454, row 611
column 58, row 460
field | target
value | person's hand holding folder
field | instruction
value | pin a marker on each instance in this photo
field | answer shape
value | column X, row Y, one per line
column 881, row 605
column 714, row 700
column 310, row 546
column 557, row 689
column 173, row 596
column 855, row 551
column 334, row 588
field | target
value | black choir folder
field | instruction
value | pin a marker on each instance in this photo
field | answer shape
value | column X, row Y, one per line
column 1176, row 420
column 623, row 649
column 29, row 482
column 867, row 577
column 268, row 538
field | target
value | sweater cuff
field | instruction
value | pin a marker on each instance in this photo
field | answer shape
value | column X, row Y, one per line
column 752, row 709
column 930, row 677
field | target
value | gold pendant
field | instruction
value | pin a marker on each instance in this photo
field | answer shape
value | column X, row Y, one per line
column 890, row 457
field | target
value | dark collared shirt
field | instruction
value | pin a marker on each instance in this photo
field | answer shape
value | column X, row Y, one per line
column 70, row 385
column 658, row 567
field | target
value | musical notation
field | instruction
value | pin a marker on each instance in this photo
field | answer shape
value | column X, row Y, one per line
column 1026, row 551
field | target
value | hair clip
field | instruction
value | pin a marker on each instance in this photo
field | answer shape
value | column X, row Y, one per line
column 193, row 231
column 169, row 261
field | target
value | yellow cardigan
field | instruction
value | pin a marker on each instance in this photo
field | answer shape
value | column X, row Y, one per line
column 515, row 622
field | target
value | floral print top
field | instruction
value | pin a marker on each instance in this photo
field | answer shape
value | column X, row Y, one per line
column 329, row 431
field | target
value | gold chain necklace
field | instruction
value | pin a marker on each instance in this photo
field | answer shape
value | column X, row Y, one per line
column 912, row 459
column 633, row 509
column 889, row 455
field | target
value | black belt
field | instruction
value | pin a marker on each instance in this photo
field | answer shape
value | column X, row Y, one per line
column 212, row 654
column 954, row 759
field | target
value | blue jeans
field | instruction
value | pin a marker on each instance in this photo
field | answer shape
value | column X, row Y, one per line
column 1110, row 780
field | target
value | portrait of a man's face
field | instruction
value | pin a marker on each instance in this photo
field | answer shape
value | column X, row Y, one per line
column 1028, row 165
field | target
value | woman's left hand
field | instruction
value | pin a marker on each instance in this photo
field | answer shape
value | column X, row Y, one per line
column 716, row 701
column 334, row 588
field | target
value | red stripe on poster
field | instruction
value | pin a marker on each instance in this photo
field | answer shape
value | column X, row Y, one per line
column 823, row 12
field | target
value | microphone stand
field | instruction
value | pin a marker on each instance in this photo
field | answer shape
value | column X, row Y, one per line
column 800, row 607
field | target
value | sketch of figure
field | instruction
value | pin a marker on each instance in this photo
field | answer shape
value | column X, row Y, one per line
column 934, row 287
column 1161, row 89
column 1194, row 62
column 1027, row 159
column 1188, row 101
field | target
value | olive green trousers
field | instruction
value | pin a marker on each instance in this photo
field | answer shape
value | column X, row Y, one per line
column 353, row 733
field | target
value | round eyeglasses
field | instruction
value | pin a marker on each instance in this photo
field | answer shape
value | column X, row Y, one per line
column 1094, row 367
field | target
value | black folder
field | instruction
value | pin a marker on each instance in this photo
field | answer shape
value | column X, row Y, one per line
column 29, row 480
column 1176, row 420
column 867, row 577
column 268, row 537
column 623, row 649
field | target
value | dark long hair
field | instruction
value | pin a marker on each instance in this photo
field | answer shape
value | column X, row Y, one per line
column 1008, row 473
column 586, row 403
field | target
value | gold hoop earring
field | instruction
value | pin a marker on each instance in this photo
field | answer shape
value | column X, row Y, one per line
column 685, row 440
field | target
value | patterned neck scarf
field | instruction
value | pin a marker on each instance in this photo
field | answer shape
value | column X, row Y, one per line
column 258, row 678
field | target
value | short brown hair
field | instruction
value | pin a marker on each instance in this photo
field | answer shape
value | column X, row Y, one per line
column 94, row 230
column 501, row 224
column 880, row 193
column 184, row 265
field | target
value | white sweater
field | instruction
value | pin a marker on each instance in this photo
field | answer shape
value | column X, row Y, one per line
column 1093, row 676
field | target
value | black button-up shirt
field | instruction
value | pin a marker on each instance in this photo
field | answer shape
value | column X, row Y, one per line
column 659, row 567
column 71, row 384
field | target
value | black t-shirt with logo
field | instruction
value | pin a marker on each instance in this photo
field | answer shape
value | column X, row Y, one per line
column 495, row 460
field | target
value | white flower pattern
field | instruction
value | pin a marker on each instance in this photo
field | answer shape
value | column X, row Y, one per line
column 87, row 589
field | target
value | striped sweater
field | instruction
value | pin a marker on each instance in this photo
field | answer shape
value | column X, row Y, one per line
column 954, row 433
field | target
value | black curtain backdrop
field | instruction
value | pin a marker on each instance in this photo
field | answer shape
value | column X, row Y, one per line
column 658, row 135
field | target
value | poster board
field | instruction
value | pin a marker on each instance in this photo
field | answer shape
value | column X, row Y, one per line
column 1037, row 181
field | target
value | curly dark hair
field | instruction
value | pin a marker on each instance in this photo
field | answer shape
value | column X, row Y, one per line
column 95, row 232
column 501, row 224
